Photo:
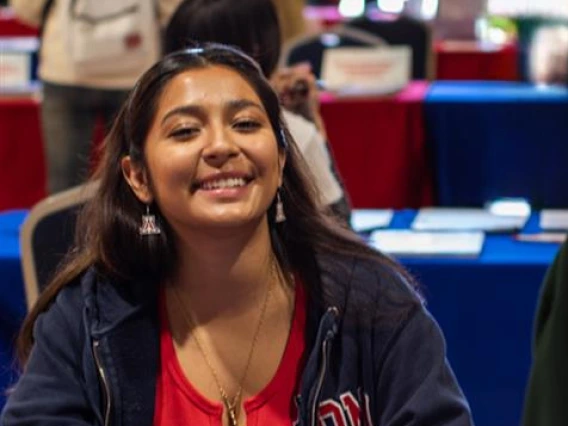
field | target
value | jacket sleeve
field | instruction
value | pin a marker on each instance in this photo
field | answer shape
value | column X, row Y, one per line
column 52, row 390
column 416, row 386
column 545, row 402
column 28, row 11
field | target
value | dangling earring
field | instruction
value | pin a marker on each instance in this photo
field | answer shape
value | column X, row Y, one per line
column 280, row 216
column 149, row 226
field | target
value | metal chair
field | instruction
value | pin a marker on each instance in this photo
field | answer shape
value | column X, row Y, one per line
column 47, row 235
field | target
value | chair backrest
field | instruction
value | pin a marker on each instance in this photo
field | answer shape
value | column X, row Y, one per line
column 47, row 235
column 403, row 31
column 310, row 48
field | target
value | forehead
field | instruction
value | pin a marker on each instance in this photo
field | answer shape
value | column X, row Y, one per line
column 212, row 85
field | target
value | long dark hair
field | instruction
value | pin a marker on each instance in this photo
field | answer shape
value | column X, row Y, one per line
column 251, row 25
column 108, row 226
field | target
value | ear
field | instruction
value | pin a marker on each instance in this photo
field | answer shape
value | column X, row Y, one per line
column 137, row 179
column 281, row 164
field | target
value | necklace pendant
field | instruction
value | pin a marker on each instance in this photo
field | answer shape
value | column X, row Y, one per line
column 231, row 411
column 232, row 415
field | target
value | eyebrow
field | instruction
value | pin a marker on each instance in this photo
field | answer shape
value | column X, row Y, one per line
column 231, row 107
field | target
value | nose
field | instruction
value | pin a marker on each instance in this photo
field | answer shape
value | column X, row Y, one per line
column 220, row 148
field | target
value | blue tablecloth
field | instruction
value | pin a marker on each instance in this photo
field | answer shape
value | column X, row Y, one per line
column 12, row 299
column 498, row 139
column 485, row 307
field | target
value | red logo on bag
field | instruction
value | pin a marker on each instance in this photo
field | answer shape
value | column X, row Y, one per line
column 132, row 41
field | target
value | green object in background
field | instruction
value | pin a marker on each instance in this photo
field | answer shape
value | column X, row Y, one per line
column 508, row 25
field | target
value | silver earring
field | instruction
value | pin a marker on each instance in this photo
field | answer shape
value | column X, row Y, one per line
column 280, row 216
column 149, row 225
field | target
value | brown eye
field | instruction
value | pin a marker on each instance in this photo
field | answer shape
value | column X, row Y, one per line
column 184, row 133
column 247, row 125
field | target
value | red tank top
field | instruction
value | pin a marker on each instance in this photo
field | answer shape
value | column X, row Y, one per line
column 179, row 403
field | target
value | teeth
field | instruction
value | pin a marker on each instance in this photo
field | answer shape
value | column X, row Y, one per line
column 224, row 183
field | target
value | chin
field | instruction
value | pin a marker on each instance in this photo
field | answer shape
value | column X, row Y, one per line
column 231, row 221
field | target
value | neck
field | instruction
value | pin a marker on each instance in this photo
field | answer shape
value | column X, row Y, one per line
column 225, row 275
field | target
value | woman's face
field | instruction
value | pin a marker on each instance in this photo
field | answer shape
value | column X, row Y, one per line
column 211, row 153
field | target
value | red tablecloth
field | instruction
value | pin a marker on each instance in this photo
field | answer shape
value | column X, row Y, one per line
column 22, row 167
column 10, row 26
column 22, row 163
column 378, row 144
column 380, row 148
column 473, row 61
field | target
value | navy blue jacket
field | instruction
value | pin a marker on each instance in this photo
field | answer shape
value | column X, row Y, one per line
column 96, row 356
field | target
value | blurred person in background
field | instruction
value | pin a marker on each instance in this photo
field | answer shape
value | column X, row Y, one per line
column 548, row 55
column 290, row 18
column 545, row 401
column 75, row 99
column 253, row 26
column 455, row 20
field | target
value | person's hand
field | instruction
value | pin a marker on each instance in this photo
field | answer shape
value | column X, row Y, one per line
column 297, row 89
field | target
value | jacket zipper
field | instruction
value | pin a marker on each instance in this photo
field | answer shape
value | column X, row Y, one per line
column 326, row 346
column 104, row 380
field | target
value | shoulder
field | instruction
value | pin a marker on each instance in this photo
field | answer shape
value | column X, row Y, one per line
column 103, row 302
column 559, row 268
column 378, row 284
column 98, row 299
column 68, row 306
column 554, row 288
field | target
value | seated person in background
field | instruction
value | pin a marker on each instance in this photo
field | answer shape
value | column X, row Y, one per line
column 548, row 55
column 290, row 18
column 208, row 287
column 252, row 25
column 545, row 403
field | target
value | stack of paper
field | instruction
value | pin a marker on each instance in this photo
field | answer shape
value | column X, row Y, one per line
column 554, row 219
column 409, row 243
column 368, row 219
column 465, row 219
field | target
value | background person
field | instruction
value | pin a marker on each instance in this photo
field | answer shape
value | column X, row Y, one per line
column 545, row 404
column 72, row 100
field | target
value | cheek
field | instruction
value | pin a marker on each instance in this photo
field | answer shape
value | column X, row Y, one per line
column 265, row 156
column 171, row 170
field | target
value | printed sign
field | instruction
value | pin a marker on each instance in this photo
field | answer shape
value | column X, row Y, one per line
column 366, row 70
column 16, row 61
column 14, row 69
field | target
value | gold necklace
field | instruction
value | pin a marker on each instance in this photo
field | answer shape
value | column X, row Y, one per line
column 231, row 405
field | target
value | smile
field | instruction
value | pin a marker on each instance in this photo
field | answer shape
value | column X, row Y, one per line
column 224, row 183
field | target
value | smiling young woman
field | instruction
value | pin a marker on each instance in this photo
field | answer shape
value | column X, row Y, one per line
column 208, row 286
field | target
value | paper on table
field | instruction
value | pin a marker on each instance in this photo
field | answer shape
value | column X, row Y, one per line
column 369, row 219
column 542, row 237
column 554, row 219
column 465, row 219
column 410, row 243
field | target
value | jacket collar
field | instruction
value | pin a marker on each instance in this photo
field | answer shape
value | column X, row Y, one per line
column 121, row 301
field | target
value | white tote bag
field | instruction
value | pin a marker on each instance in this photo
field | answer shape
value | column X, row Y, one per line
column 110, row 37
